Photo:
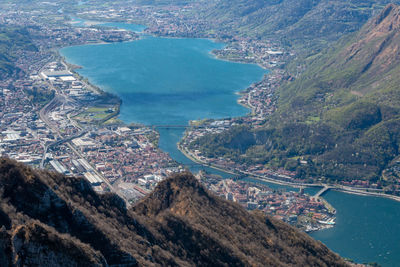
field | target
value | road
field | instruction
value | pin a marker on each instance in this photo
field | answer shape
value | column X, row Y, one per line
column 345, row 189
column 43, row 113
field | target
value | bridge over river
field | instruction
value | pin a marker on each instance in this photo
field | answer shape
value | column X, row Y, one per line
column 322, row 191
column 174, row 126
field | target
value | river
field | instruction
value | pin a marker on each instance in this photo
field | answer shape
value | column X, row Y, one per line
column 164, row 81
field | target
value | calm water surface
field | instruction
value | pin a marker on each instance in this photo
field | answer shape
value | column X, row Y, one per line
column 166, row 81
column 171, row 81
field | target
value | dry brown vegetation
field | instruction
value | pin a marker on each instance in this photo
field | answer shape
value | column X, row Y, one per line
column 49, row 219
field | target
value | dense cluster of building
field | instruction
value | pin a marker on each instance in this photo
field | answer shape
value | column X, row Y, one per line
column 41, row 121
column 164, row 20
column 260, row 96
column 297, row 208
column 124, row 153
column 265, row 53
column 21, row 133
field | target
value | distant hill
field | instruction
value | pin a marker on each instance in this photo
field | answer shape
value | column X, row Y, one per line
column 51, row 220
column 342, row 115
column 12, row 41
column 297, row 22
column 301, row 23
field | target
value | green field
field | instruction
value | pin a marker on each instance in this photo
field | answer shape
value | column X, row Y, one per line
column 96, row 115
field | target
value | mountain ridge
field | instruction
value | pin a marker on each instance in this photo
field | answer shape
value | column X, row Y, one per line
column 180, row 223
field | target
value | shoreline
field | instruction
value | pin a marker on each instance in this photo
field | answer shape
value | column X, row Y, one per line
column 274, row 181
column 327, row 205
column 211, row 53
column 234, row 61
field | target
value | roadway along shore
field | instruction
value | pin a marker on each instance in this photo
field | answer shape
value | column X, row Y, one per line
column 345, row 189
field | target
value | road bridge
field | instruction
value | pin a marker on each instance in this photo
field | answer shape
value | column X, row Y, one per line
column 322, row 191
column 194, row 165
column 175, row 126
column 170, row 126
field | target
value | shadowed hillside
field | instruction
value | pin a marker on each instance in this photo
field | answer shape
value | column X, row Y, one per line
column 51, row 220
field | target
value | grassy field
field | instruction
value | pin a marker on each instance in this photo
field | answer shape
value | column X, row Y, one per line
column 96, row 114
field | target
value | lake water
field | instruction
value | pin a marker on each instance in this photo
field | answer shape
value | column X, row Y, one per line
column 165, row 81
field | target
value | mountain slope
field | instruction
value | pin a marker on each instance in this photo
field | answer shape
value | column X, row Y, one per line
column 180, row 223
column 357, row 68
column 341, row 116
column 301, row 22
column 13, row 40
column 183, row 206
column 353, row 91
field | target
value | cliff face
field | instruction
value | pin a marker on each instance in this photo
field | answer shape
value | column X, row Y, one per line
column 35, row 244
column 51, row 220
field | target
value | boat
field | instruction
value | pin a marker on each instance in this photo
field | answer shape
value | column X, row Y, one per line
column 328, row 222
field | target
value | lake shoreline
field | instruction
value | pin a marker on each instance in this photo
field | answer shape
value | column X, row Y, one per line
column 278, row 182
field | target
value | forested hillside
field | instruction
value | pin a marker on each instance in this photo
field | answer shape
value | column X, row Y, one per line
column 13, row 40
column 296, row 22
column 342, row 115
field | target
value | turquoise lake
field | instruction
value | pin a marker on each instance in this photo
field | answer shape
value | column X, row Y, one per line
column 165, row 81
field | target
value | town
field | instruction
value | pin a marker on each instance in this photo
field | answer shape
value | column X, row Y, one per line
column 53, row 118
column 297, row 208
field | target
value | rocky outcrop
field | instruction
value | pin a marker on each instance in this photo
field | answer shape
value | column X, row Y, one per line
column 37, row 245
